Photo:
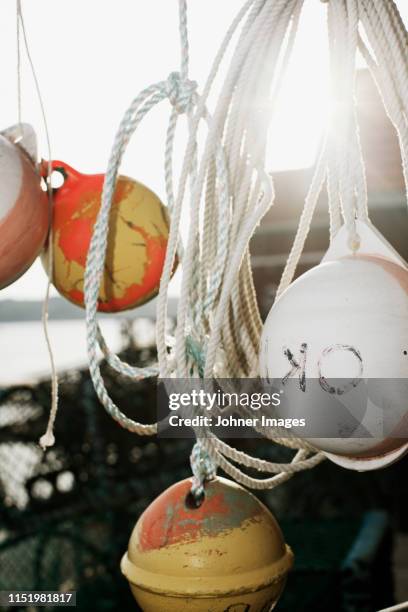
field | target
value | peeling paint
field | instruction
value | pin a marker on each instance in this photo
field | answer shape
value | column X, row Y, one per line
column 170, row 521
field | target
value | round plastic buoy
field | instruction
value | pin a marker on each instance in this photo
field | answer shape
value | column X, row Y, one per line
column 337, row 343
column 24, row 211
column 137, row 240
column 227, row 554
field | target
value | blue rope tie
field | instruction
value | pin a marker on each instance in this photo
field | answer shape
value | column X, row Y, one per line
column 195, row 351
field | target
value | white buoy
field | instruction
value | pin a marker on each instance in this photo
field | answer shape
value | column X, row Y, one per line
column 337, row 343
column 24, row 214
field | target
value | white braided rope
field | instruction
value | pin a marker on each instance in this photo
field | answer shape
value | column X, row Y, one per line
column 385, row 38
column 227, row 191
column 175, row 221
column 340, row 163
column 246, row 224
column 283, row 471
column 180, row 93
column 225, row 257
column 244, row 155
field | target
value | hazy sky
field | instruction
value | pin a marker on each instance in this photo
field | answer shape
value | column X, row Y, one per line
column 93, row 57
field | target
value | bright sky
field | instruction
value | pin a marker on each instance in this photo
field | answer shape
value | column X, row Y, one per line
column 92, row 58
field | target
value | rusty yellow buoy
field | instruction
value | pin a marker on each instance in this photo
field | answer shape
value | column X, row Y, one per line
column 137, row 239
column 226, row 555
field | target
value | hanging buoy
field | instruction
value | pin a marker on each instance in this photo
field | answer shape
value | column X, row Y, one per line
column 336, row 341
column 24, row 213
column 136, row 244
column 227, row 554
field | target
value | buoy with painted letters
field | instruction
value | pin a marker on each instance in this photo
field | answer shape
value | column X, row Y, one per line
column 336, row 341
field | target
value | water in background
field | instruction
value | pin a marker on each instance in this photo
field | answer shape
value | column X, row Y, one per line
column 23, row 353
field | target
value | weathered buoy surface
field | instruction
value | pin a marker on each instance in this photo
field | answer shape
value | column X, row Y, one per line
column 226, row 555
column 337, row 341
column 137, row 241
column 24, row 211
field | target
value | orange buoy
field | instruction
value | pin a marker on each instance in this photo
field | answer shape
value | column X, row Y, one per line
column 24, row 211
column 137, row 241
column 226, row 555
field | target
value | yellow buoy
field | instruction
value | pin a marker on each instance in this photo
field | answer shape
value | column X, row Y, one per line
column 226, row 555
column 137, row 239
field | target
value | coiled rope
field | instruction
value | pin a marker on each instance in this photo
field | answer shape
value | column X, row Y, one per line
column 226, row 189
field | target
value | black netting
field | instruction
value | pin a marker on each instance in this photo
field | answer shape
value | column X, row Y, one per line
column 66, row 515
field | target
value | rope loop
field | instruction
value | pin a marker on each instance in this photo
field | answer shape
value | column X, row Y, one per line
column 224, row 188
column 181, row 92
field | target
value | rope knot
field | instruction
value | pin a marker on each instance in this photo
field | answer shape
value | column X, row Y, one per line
column 180, row 91
column 203, row 468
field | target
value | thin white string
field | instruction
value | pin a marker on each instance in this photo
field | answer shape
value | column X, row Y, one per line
column 18, row 35
column 48, row 438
